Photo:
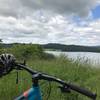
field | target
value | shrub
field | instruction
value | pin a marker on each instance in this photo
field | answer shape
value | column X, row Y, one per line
column 26, row 51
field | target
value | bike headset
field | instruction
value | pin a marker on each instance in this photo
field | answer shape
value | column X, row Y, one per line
column 6, row 64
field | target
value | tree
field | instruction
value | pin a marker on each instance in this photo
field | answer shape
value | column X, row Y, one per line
column 0, row 40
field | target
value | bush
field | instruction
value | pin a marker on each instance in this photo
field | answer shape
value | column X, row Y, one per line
column 26, row 51
column 48, row 56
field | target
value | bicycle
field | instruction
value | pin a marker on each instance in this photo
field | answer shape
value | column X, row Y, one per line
column 34, row 93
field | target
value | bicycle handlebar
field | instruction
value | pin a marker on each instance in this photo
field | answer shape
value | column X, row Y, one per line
column 51, row 78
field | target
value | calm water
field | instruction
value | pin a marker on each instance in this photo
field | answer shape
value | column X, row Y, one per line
column 94, row 58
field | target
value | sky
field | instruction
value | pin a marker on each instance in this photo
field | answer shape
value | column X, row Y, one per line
column 50, row 21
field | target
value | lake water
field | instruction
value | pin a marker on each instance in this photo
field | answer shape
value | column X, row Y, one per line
column 93, row 58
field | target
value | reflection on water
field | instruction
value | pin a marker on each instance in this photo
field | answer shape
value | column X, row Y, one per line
column 93, row 58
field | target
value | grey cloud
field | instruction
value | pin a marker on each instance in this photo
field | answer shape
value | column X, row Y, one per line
column 80, row 7
column 24, row 7
column 9, row 7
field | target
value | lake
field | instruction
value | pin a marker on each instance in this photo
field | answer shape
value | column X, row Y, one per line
column 93, row 58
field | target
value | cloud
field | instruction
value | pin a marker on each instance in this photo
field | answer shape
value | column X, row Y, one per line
column 43, row 21
column 9, row 7
column 56, row 29
column 26, row 7
column 77, row 7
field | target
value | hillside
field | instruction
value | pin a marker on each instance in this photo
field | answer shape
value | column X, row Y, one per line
column 62, row 47
column 72, row 48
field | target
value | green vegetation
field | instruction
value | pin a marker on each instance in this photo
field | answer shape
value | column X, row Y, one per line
column 26, row 51
column 0, row 40
column 75, row 72
column 72, row 48
column 62, row 47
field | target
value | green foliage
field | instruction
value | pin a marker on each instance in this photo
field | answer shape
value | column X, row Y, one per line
column 70, row 71
column 2, row 50
column 48, row 56
column 75, row 72
column 71, row 48
column 25, row 51
column 0, row 40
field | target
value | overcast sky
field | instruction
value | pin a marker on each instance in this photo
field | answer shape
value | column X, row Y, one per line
column 50, row 21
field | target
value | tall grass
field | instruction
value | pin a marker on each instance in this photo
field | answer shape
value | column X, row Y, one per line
column 70, row 71
column 76, row 72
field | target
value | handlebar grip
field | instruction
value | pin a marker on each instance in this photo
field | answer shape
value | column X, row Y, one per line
column 83, row 91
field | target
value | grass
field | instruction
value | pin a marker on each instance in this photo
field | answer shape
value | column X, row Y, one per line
column 81, row 74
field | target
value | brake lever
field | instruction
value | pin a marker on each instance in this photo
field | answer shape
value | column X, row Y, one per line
column 65, row 89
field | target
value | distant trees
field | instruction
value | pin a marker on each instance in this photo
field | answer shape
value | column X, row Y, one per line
column 0, row 44
column 71, row 48
column 0, row 40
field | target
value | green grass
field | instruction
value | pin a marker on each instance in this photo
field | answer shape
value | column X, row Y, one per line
column 81, row 74
column 76, row 72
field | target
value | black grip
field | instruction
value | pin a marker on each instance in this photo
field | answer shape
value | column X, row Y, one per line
column 82, row 91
